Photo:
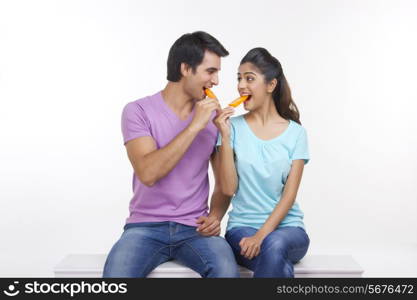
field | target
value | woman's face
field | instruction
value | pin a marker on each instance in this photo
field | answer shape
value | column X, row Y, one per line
column 252, row 82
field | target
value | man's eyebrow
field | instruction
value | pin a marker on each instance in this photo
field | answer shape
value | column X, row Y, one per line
column 212, row 69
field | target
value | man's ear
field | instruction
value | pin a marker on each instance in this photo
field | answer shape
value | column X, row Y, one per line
column 185, row 69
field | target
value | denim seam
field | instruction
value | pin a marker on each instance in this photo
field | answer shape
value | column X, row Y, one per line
column 156, row 252
column 201, row 258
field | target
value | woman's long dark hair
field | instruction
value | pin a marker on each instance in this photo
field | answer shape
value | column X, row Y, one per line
column 271, row 68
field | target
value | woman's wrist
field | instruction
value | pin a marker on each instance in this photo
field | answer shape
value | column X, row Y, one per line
column 262, row 233
column 225, row 139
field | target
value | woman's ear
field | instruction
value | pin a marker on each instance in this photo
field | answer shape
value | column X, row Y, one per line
column 271, row 85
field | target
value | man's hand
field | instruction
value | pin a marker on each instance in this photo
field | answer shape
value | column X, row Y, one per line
column 203, row 110
column 208, row 226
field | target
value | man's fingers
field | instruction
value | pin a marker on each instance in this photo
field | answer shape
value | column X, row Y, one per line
column 213, row 232
column 204, row 225
column 209, row 101
column 213, row 106
column 211, row 224
column 201, row 219
column 211, row 227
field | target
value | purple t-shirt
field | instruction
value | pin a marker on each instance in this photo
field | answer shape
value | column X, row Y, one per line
column 181, row 195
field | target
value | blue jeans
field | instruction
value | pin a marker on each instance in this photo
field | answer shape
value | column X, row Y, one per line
column 144, row 246
column 280, row 250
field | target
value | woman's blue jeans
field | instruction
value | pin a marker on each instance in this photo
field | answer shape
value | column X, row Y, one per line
column 280, row 250
column 144, row 246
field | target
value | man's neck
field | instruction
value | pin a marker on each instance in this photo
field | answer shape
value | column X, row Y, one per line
column 175, row 97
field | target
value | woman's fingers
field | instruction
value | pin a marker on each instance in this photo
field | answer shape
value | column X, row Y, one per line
column 255, row 252
column 251, row 253
column 243, row 246
column 224, row 116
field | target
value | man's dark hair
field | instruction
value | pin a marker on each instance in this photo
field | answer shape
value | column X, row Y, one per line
column 189, row 49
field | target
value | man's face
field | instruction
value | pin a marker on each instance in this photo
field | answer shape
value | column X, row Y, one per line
column 205, row 76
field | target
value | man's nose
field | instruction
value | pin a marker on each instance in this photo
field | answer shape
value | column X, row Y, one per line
column 215, row 79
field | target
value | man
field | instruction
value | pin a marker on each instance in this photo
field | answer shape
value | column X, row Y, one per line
column 170, row 138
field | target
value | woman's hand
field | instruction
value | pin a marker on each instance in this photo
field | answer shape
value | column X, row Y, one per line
column 222, row 121
column 251, row 246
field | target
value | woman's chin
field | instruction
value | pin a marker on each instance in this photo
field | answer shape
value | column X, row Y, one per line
column 247, row 105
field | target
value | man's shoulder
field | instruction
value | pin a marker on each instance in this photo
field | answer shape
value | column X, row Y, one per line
column 150, row 100
column 143, row 104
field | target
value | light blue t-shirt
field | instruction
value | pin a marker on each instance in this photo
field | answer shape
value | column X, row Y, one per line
column 262, row 168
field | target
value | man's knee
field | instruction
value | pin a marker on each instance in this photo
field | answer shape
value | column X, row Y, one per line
column 223, row 264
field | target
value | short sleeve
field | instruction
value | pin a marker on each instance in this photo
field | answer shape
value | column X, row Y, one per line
column 232, row 137
column 301, row 147
column 135, row 123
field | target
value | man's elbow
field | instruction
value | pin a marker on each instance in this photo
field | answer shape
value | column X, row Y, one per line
column 228, row 191
column 146, row 179
column 148, row 183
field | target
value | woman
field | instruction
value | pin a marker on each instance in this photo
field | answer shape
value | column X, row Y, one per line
column 262, row 156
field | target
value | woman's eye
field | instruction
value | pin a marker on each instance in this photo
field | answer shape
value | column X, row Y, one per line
column 249, row 78
column 238, row 79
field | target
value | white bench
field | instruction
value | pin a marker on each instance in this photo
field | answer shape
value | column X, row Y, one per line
column 91, row 265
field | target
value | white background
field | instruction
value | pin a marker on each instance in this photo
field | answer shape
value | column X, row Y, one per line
column 67, row 68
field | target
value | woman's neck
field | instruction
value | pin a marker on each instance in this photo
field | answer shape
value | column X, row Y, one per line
column 266, row 114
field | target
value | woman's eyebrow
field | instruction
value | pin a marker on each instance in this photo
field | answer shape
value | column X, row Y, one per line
column 247, row 73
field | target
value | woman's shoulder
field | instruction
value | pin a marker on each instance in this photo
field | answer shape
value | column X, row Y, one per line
column 297, row 130
column 237, row 120
column 296, row 126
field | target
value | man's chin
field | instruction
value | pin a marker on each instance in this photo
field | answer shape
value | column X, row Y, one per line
column 202, row 96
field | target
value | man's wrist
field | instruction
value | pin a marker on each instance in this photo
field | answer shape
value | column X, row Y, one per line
column 193, row 129
column 215, row 215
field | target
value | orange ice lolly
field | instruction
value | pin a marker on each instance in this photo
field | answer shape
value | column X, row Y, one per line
column 238, row 101
column 210, row 94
